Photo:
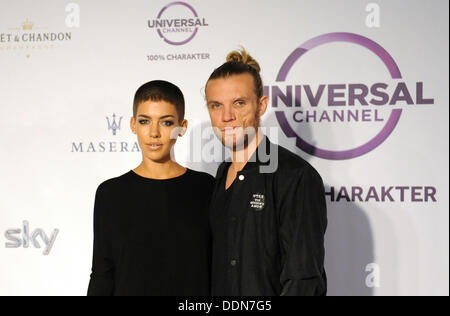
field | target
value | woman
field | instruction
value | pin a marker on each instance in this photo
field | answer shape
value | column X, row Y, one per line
column 151, row 232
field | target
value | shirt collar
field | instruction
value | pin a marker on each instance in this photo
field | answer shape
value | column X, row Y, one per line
column 261, row 157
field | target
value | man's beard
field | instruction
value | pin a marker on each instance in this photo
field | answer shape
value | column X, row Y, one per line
column 241, row 144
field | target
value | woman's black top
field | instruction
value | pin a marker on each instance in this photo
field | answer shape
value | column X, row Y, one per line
column 152, row 237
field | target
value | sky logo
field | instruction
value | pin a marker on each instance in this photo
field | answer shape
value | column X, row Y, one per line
column 22, row 238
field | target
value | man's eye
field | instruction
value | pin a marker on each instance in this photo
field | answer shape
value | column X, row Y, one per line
column 143, row 122
column 240, row 103
column 215, row 105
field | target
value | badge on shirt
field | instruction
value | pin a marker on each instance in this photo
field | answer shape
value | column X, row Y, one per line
column 258, row 202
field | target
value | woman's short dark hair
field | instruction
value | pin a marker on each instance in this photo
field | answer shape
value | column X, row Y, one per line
column 159, row 90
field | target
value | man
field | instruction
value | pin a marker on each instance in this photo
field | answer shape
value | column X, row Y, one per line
column 268, row 223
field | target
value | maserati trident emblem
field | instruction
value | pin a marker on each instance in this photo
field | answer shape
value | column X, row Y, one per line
column 114, row 126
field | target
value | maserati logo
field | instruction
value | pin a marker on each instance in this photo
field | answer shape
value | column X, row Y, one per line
column 107, row 145
column 114, row 126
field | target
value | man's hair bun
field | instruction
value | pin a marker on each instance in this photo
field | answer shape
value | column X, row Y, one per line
column 237, row 63
column 243, row 57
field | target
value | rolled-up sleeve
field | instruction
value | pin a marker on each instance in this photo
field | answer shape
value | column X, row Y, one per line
column 102, row 276
column 303, row 222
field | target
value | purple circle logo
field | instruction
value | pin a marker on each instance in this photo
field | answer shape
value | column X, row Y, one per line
column 388, row 127
column 177, row 23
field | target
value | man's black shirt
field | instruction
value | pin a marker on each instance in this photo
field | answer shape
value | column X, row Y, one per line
column 222, row 256
column 268, row 228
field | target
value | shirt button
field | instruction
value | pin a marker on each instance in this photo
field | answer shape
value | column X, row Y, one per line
column 233, row 263
column 242, row 177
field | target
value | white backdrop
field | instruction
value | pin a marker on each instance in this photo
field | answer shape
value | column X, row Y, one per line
column 67, row 66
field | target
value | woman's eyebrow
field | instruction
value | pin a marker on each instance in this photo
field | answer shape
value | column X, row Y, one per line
column 166, row 116
column 161, row 118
